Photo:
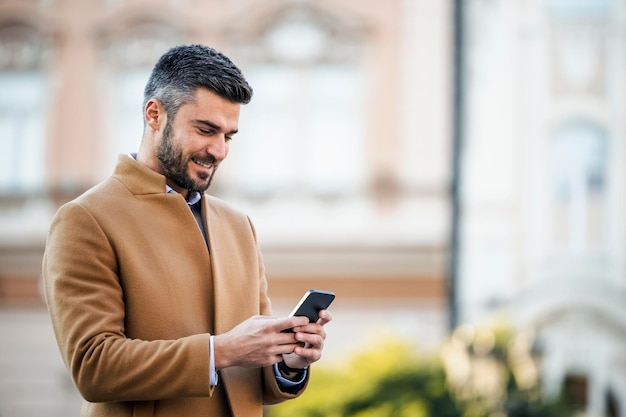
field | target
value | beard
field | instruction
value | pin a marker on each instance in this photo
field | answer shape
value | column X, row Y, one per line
column 174, row 164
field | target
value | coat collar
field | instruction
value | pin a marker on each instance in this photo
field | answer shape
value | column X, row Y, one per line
column 139, row 179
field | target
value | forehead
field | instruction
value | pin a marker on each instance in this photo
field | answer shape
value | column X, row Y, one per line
column 210, row 106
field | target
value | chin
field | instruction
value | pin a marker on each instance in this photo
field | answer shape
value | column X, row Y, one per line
column 201, row 186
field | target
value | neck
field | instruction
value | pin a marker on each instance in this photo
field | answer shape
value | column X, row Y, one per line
column 180, row 190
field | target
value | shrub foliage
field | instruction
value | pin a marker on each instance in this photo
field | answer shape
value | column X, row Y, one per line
column 391, row 379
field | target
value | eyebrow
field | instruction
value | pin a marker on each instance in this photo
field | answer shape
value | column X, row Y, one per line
column 213, row 125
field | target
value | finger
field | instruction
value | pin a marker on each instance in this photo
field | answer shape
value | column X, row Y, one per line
column 287, row 323
column 309, row 354
column 310, row 340
column 310, row 336
column 287, row 338
column 324, row 317
column 285, row 349
column 313, row 328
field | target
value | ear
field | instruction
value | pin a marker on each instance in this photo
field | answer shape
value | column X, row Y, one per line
column 154, row 114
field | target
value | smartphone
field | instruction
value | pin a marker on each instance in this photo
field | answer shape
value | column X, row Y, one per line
column 311, row 303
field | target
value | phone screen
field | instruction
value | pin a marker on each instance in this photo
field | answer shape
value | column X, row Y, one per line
column 311, row 304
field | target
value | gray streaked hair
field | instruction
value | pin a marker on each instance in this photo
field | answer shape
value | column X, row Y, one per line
column 182, row 70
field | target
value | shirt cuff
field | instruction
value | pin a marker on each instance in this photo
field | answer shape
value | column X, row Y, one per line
column 214, row 378
column 287, row 383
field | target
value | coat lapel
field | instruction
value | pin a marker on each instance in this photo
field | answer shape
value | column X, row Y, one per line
column 231, row 304
column 234, row 265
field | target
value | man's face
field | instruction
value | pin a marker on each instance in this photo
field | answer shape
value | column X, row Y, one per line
column 197, row 140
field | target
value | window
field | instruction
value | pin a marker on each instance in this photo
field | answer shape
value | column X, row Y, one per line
column 22, row 161
column 303, row 130
column 22, row 113
column 579, row 158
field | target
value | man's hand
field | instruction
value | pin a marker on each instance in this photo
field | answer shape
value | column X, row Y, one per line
column 259, row 342
column 311, row 339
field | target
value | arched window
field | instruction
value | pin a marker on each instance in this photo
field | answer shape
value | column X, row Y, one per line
column 22, row 110
column 578, row 164
column 303, row 130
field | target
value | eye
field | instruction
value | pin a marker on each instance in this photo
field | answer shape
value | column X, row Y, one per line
column 206, row 132
column 228, row 138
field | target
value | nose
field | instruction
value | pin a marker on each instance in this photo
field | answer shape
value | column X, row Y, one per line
column 218, row 148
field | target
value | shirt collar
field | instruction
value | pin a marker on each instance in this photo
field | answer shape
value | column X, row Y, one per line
column 194, row 196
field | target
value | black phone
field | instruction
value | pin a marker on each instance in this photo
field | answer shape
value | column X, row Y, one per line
column 312, row 302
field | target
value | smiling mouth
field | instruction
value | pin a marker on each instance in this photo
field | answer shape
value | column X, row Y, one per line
column 207, row 165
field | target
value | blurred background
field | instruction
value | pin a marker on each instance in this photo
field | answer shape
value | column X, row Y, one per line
column 453, row 170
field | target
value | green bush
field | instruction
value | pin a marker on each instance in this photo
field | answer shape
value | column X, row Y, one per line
column 392, row 379
column 388, row 380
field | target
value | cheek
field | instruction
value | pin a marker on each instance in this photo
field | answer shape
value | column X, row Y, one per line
column 191, row 142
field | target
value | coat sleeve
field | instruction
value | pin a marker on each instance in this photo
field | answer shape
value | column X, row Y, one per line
column 86, row 305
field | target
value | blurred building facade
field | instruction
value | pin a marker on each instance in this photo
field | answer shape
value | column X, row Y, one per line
column 343, row 156
column 543, row 186
column 341, row 160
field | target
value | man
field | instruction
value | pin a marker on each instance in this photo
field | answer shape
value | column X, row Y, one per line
column 156, row 290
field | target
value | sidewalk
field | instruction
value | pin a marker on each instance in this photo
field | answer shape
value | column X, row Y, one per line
column 33, row 379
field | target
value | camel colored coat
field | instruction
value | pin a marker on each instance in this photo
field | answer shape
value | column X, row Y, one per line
column 127, row 283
